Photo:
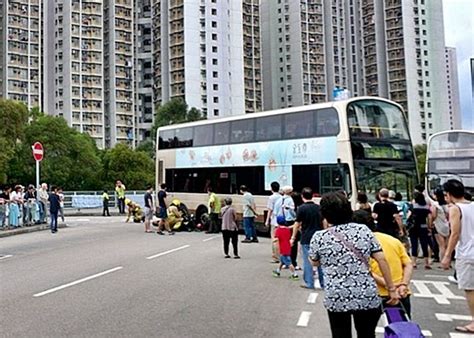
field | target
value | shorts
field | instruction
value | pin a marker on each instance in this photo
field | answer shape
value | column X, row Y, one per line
column 162, row 214
column 148, row 214
column 465, row 274
column 285, row 260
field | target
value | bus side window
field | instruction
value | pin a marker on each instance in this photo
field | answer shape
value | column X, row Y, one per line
column 326, row 122
column 242, row 131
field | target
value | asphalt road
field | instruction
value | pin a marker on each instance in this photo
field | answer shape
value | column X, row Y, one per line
column 102, row 277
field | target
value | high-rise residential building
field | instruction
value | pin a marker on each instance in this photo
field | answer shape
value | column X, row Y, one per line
column 294, row 56
column 208, row 53
column 78, row 66
column 390, row 48
column 454, row 102
column 20, row 47
column 144, row 107
column 90, row 49
column 118, row 72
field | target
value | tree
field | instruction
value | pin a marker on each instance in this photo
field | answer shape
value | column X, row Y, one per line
column 134, row 168
column 173, row 112
column 71, row 159
column 420, row 153
column 13, row 119
column 148, row 147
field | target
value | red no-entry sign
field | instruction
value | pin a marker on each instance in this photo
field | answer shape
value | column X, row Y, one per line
column 38, row 151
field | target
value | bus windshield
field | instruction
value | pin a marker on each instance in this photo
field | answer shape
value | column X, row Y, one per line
column 394, row 178
column 371, row 119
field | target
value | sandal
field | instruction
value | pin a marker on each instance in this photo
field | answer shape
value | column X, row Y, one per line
column 428, row 267
column 464, row 329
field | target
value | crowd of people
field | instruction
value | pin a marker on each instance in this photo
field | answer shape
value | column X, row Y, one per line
column 26, row 206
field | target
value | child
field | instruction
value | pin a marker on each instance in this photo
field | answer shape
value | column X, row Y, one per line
column 105, row 203
column 283, row 236
column 230, row 230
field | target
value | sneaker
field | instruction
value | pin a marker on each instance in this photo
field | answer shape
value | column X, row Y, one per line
column 295, row 277
column 276, row 273
column 226, row 256
column 159, row 232
column 236, row 257
column 255, row 240
column 246, row 241
column 452, row 279
column 297, row 268
column 170, row 233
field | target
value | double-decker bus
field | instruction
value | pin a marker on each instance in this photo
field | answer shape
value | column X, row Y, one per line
column 450, row 154
column 353, row 145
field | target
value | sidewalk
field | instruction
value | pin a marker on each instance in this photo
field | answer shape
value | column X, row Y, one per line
column 28, row 229
column 67, row 213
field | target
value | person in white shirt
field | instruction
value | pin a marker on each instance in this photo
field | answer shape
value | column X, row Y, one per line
column 461, row 219
column 43, row 202
column 271, row 218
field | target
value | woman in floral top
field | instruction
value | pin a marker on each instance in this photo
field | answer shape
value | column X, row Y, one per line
column 343, row 251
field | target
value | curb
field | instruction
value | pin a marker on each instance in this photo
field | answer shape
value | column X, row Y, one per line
column 25, row 230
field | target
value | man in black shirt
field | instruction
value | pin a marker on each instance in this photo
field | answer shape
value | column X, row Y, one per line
column 54, row 207
column 387, row 216
column 308, row 221
column 4, row 199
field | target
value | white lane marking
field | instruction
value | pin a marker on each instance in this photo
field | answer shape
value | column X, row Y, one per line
column 312, row 298
column 441, row 298
column 210, row 238
column 77, row 282
column 304, row 319
column 6, row 256
column 167, row 252
column 426, row 333
column 446, row 317
column 459, row 335
column 436, row 276
column 82, row 220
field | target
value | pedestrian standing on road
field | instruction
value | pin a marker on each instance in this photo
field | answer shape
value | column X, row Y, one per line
column 461, row 219
column 249, row 215
column 214, row 207
column 230, row 229
column 386, row 214
column 420, row 231
column 43, row 202
column 4, row 202
column 29, row 206
column 163, row 211
column 15, row 205
column 343, row 251
column 61, row 203
column 120, row 191
column 271, row 218
column 283, row 238
column 54, row 206
column 401, row 267
column 363, row 202
column 149, row 208
column 439, row 212
column 105, row 203
column 308, row 221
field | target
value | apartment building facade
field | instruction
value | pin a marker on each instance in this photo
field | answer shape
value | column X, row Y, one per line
column 454, row 102
column 208, row 53
column 20, row 51
column 143, row 67
column 390, row 48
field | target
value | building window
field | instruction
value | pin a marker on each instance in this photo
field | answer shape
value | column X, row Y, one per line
column 216, row 112
column 214, row 62
column 215, row 87
column 214, row 24
column 214, row 49
column 214, row 36
column 215, row 74
column 214, row 11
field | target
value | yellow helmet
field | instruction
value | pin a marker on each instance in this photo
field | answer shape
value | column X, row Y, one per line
column 176, row 202
column 127, row 201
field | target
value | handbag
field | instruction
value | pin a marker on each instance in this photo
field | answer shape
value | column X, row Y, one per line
column 350, row 246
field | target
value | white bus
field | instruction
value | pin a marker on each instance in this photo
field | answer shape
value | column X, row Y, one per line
column 450, row 154
column 353, row 145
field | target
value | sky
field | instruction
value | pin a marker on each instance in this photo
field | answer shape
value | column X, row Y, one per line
column 459, row 33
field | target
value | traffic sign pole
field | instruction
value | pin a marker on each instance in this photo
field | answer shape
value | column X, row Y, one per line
column 37, row 174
